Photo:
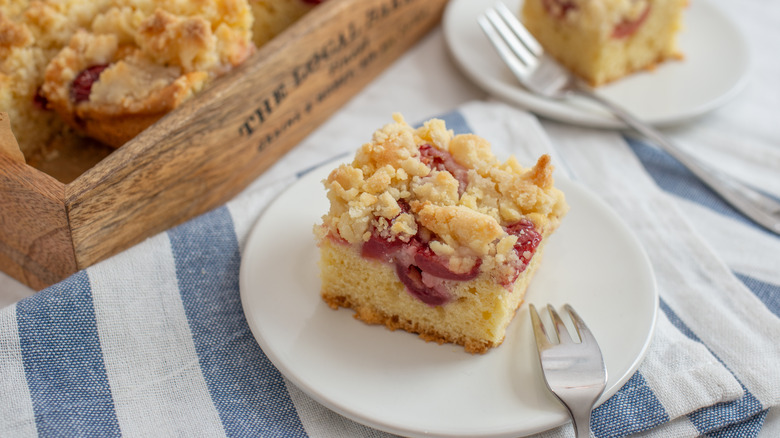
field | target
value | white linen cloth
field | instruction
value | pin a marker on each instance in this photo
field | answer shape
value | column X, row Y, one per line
column 128, row 347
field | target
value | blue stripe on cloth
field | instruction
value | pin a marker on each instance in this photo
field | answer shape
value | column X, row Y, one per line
column 719, row 416
column 247, row 390
column 747, row 429
column 766, row 292
column 632, row 409
column 673, row 177
column 456, row 122
column 722, row 415
column 63, row 362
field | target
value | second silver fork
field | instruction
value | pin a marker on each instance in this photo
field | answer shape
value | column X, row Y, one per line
column 573, row 370
column 542, row 75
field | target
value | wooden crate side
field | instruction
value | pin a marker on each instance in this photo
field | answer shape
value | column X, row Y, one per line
column 35, row 239
column 205, row 152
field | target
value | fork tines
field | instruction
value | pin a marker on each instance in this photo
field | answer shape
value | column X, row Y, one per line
column 501, row 25
column 562, row 334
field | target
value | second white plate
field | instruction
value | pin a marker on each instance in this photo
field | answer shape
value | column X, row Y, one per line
column 714, row 70
column 394, row 381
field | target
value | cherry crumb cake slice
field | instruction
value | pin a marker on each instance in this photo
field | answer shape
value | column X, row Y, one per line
column 604, row 40
column 428, row 232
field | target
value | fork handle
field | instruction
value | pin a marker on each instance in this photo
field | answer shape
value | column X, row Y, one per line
column 760, row 208
column 581, row 421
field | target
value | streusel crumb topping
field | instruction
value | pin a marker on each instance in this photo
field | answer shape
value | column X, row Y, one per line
column 449, row 190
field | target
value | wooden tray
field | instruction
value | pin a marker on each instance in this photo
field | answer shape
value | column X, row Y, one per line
column 205, row 152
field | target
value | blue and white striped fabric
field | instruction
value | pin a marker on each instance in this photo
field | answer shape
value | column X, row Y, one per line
column 153, row 342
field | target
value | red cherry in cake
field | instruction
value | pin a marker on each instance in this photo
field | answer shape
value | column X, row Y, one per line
column 404, row 206
column 82, row 85
column 558, row 8
column 627, row 28
column 415, row 253
column 412, row 277
column 438, row 266
column 380, row 248
column 438, row 159
column 422, row 271
column 527, row 237
column 40, row 101
column 528, row 240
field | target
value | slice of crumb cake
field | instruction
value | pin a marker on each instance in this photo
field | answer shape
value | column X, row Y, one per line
column 428, row 232
column 605, row 40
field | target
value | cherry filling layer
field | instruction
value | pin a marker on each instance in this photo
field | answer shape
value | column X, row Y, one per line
column 82, row 84
column 427, row 275
column 627, row 27
column 624, row 29
column 40, row 101
column 424, row 273
column 528, row 240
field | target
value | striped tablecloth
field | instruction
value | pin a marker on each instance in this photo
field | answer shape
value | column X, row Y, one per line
column 154, row 342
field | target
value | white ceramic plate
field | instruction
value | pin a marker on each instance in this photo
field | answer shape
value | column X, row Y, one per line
column 396, row 382
column 714, row 70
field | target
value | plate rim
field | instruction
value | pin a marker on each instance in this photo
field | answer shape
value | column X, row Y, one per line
column 597, row 117
column 355, row 415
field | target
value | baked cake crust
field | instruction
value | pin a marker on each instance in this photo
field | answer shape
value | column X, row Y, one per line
column 428, row 232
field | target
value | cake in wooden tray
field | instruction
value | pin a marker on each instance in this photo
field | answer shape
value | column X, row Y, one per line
column 108, row 69
column 604, row 40
column 428, row 232
column 241, row 93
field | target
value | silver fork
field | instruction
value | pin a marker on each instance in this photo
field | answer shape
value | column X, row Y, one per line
column 574, row 371
column 542, row 75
